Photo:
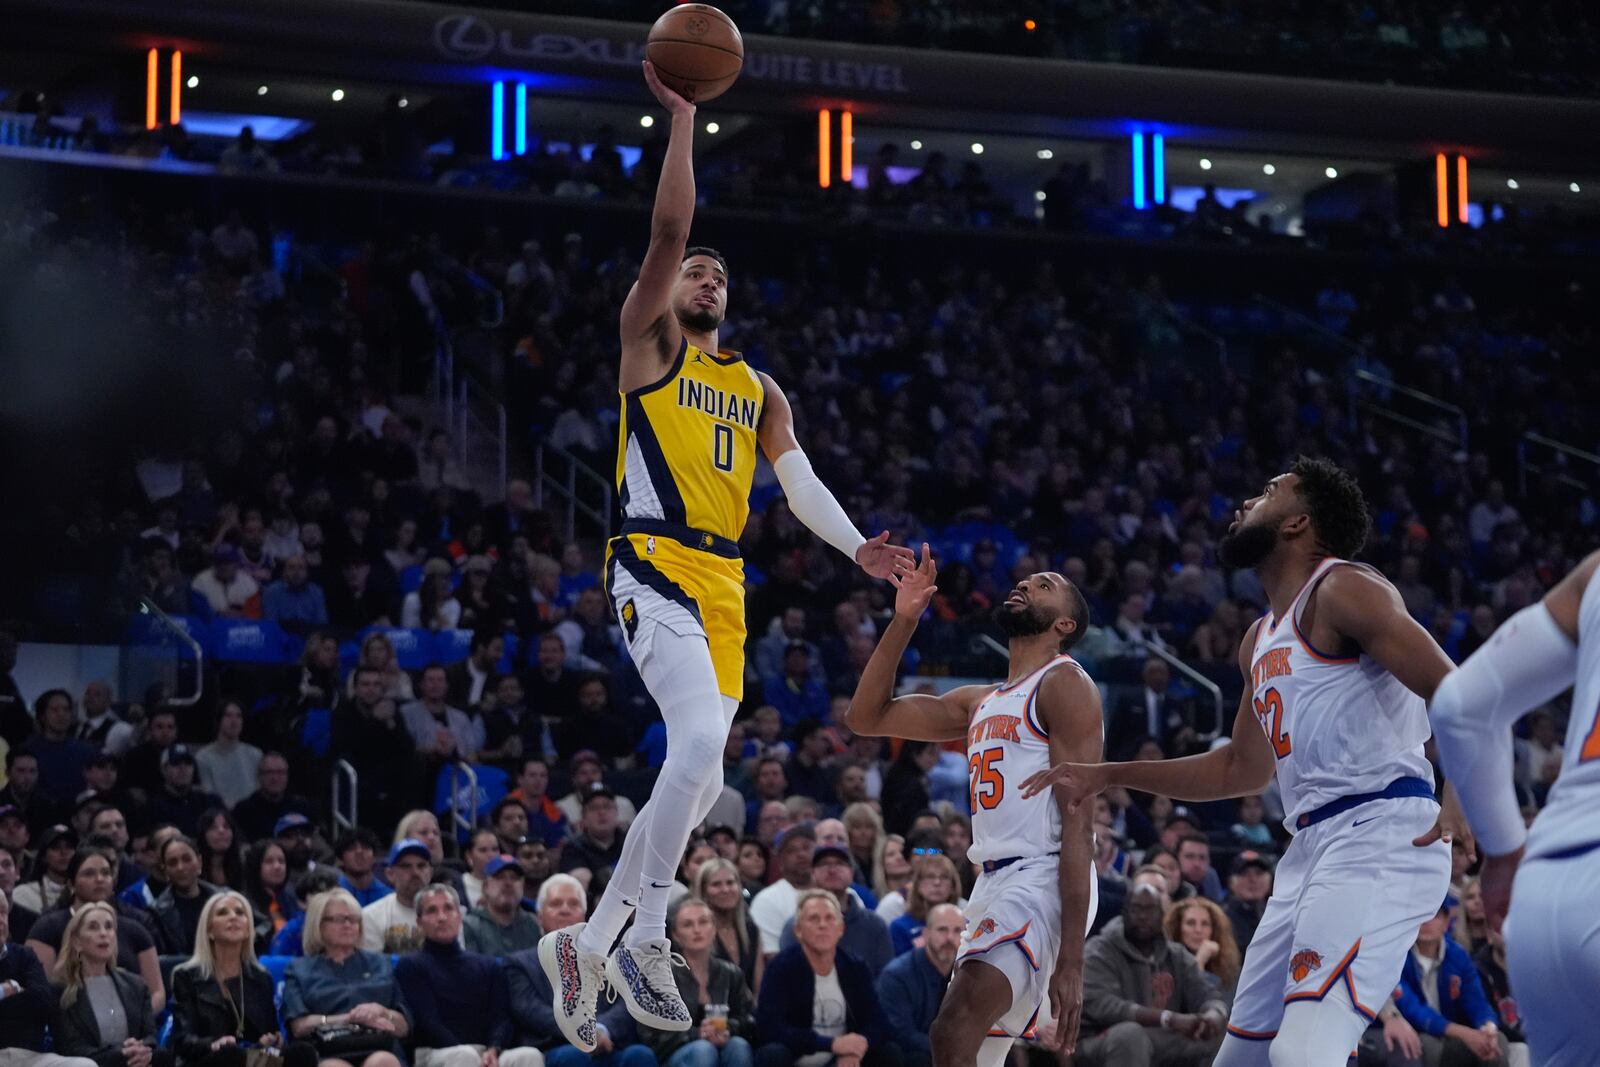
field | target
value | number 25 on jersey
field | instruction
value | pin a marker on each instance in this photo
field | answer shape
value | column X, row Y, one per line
column 988, row 786
column 1269, row 709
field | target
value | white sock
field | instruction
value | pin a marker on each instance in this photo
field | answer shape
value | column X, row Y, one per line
column 679, row 674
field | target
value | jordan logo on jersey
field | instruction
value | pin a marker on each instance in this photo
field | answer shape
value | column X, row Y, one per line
column 1303, row 963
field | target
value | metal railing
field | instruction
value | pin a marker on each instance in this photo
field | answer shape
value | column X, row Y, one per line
column 462, row 819
column 1386, row 388
column 470, row 427
column 582, row 489
column 344, row 773
column 1563, row 454
column 167, row 624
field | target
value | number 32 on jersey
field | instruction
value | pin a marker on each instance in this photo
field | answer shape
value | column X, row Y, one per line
column 1269, row 710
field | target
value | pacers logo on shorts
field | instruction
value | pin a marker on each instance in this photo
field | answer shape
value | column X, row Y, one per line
column 630, row 618
column 1303, row 963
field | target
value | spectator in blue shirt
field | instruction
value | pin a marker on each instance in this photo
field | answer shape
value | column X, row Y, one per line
column 294, row 599
column 1441, row 996
column 796, row 694
column 356, row 852
column 912, row 986
column 290, row 941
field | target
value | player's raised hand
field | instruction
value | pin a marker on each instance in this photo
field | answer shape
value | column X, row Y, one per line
column 882, row 560
column 1495, row 880
column 670, row 99
column 1079, row 780
column 914, row 586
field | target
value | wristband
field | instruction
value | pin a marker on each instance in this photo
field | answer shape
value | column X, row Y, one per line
column 1166, row 1020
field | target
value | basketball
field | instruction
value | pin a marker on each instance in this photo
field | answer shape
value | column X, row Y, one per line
column 696, row 50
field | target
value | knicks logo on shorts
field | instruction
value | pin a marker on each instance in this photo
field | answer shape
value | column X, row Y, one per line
column 1303, row 963
column 630, row 618
column 983, row 929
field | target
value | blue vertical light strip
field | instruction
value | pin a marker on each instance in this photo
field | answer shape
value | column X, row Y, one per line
column 497, row 122
column 1138, row 172
column 1158, row 167
column 522, row 119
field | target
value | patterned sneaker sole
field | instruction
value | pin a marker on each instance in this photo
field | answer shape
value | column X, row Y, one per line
column 623, row 978
column 559, row 956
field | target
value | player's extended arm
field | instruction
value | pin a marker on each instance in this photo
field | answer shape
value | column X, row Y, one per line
column 874, row 709
column 650, row 332
column 1529, row 660
column 1238, row 769
column 1070, row 706
column 810, row 500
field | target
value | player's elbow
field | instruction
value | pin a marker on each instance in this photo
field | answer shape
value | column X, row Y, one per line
column 862, row 720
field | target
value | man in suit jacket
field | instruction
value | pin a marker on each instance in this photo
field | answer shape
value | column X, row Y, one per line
column 25, row 1000
column 1155, row 711
column 817, row 999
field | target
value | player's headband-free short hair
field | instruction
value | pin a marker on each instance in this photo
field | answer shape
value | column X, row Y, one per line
column 708, row 252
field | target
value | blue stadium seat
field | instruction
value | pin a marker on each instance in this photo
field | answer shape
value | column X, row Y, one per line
column 316, row 731
column 493, row 783
column 451, row 646
column 250, row 641
column 415, row 649
column 411, row 579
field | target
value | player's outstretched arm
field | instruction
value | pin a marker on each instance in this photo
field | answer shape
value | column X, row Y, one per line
column 1530, row 659
column 1238, row 769
column 810, row 500
column 650, row 332
column 1069, row 703
column 874, row 709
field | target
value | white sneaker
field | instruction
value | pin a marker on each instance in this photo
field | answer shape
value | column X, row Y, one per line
column 642, row 973
column 576, row 978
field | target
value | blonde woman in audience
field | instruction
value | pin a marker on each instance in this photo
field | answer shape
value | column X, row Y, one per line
column 377, row 652
column 864, row 827
column 341, row 998
column 737, row 939
column 103, row 1012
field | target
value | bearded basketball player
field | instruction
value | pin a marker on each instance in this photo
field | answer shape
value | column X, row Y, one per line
column 1336, row 681
column 1037, row 891
column 692, row 418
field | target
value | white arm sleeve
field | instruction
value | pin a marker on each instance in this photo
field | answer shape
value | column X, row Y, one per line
column 813, row 505
column 1527, row 662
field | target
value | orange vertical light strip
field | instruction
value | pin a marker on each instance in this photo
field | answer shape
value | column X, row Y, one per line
column 1441, row 181
column 846, row 151
column 151, row 68
column 824, row 145
column 177, row 88
column 1461, row 189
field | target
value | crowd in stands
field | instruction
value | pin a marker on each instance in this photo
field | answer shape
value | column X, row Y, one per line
column 1042, row 420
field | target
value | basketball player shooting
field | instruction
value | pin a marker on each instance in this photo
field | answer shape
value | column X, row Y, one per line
column 1336, row 679
column 1038, row 888
column 1552, row 937
column 692, row 417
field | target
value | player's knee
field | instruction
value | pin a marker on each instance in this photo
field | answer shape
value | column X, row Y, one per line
column 694, row 754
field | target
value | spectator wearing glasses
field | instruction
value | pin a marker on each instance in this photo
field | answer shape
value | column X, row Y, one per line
column 900, row 856
column 337, row 986
column 933, row 882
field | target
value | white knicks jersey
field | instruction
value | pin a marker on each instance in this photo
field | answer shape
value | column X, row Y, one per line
column 1006, row 743
column 1339, row 726
column 1571, row 816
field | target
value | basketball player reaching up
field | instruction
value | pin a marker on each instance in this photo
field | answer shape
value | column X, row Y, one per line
column 1552, row 935
column 1335, row 682
column 1038, row 887
column 692, row 416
